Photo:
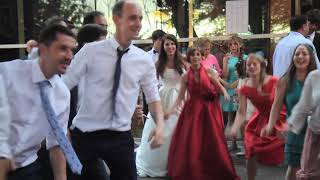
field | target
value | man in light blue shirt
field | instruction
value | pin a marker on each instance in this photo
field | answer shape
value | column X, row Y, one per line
column 5, row 153
column 283, row 53
column 30, row 125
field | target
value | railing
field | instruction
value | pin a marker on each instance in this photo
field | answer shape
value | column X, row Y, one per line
column 183, row 40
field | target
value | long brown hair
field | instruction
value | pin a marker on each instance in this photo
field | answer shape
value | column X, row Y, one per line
column 237, row 39
column 163, row 58
column 289, row 76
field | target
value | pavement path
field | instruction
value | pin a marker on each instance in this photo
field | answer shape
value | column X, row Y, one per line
column 264, row 172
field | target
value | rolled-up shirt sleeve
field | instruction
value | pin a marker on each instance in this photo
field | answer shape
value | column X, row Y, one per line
column 304, row 107
column 4, row 122
column 77, row 68
column 150, row 83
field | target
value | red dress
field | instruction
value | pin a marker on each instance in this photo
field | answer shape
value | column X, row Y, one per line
column 198, row 148
column 268, row 150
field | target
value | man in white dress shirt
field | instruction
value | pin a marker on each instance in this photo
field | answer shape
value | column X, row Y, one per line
column 103, row 123
column 5, row 153
column 283, row 53
column 30, row 126
column 156, row 37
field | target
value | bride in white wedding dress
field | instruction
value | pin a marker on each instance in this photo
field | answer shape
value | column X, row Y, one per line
column 153, row 162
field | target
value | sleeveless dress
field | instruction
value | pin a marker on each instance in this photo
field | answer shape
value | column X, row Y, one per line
column 294, row 144
column 230, row 106
column 268, row 150
column 153, row 162
column 198, row 149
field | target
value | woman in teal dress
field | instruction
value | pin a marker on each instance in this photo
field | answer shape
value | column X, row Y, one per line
column 288, row 91
column 229, row 75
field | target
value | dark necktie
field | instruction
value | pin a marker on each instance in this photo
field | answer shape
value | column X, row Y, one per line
column 71, row 156
column 117, row 74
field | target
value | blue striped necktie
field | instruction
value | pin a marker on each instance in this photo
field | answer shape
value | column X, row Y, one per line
column 73, row 161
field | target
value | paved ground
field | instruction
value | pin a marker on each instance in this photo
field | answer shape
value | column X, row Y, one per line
column 264, row 172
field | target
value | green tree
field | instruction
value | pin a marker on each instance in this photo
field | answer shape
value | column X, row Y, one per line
column 71, row 10
column 179, row 9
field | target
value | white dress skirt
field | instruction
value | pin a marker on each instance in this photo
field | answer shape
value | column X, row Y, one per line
column 153, row 162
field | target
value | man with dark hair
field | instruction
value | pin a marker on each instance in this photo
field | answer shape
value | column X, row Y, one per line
column 39, row 106
column 33, row 50
column 314, row 26
column 282, row 57
column 156, row 37
column 113, row 71
column 95, row 17
column 89, row 33
column 55, row 20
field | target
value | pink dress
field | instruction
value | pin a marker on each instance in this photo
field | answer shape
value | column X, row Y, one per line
column 210, row 61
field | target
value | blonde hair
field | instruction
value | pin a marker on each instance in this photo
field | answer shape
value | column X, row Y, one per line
column 263, row 65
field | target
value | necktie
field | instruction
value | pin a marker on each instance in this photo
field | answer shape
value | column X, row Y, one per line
column 73, row 161
column 117, row 74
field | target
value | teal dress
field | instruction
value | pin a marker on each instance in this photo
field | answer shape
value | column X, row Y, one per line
column 230, row 106
column 294, row 144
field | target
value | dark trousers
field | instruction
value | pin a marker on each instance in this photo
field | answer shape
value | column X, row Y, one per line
column 115, row 148
column 95, row 168
column 30, row 172
column 92, row 170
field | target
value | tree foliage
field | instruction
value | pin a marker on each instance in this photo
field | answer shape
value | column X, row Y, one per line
column 179, row 9
column 71, row 10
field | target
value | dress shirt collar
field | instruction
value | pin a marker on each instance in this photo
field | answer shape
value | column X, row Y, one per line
column 296, row 33
column 38, row 76
column 115, row 44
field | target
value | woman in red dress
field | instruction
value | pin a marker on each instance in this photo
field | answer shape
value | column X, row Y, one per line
column 198, row 148
column 259, row 88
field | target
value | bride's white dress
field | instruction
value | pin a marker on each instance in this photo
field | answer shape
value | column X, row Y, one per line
column 153, row 162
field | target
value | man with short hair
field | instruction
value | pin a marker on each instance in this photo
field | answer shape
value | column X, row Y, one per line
column 282, row 57
column 32, row 45
column 156, row 37
column 56, row 20
column 314, row 26
column 39, row 106
column 114, row 70
column 95, row 17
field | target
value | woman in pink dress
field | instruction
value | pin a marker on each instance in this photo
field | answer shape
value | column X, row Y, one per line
column 198, row 149
column 209, row 60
